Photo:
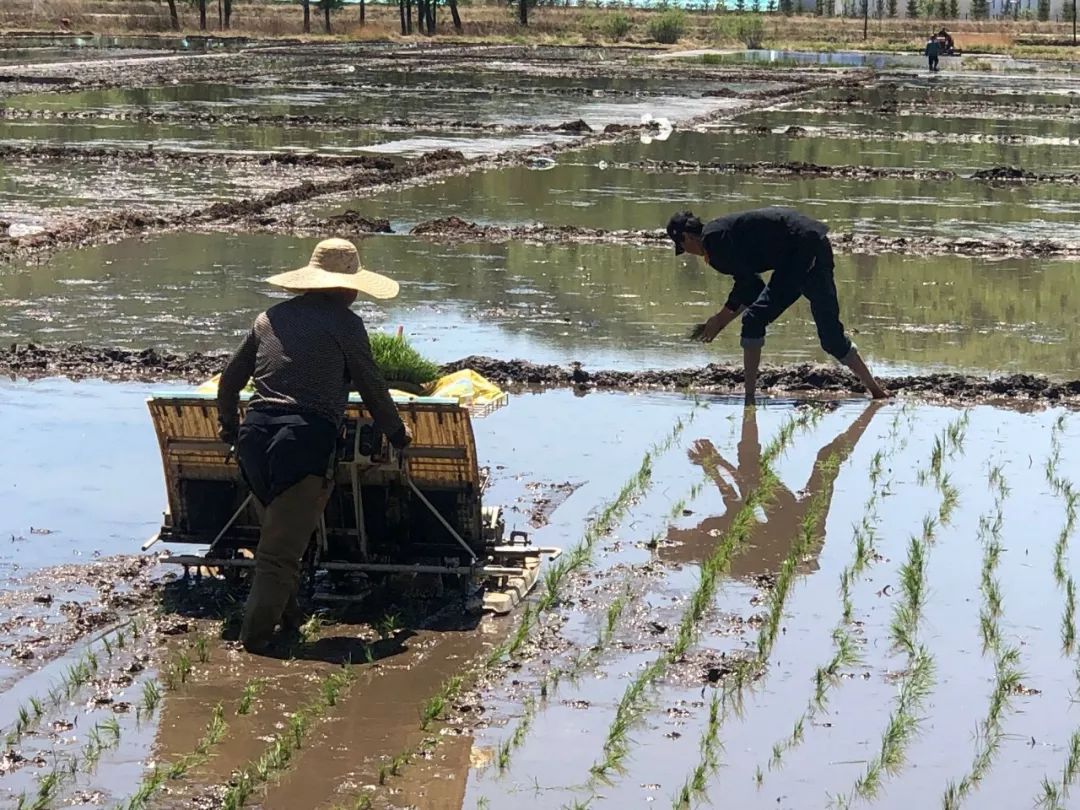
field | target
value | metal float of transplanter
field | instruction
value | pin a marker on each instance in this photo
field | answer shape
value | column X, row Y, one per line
column 418, row 512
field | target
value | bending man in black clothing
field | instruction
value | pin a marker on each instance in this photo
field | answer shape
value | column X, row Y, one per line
column 796, row 248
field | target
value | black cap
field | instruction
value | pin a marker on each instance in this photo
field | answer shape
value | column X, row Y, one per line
column 682, row 223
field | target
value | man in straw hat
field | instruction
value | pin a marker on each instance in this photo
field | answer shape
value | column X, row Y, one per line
column 304, row 355
column 797, row 250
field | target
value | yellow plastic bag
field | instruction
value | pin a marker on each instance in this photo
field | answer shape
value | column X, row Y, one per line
column 469, row 388
column 210, row 386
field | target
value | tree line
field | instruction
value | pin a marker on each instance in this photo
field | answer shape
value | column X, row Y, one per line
column 421, row 16
column 423, row 11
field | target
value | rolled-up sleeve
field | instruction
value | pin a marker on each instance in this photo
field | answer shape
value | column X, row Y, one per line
column 368, row 382
column 745, row 291
column 235, row 376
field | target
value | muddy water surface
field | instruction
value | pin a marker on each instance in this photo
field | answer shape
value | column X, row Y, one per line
column 45, row 193
column 837, row 743
column 180, row 136
column 607, row 305
column 612, row 198
column 378, row 719
column 730, row 147
column 989, row 123
column 413, row 104
column 260, row 138
column 86, row 483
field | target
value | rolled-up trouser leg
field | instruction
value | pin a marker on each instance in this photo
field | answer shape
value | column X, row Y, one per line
column 783, row 290
column 287, row 525
column 820, row 290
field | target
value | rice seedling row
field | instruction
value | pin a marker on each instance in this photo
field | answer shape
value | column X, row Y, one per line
column 103, row 736
column 581, row 555
column 106, row 734
column 432, row 710
column 632, row 704
column 555, row 675
column 1054, row 791
column 602, row 525
column 1006, row 657
column 278, row 754
column 215, row 732
column 747, row 670
column 1063, row 488
column 917, row 680
column 72, row 681
column 845, row 646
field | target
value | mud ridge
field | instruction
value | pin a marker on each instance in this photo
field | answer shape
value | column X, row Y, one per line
column 127, row 156
column 953, row 108
column 946, row 246
column 454, row 229
column 847, row 133
column 1011, row 174
column 77, row 361
column 974, row 111
column 521, row 90
column 949, row 90
column 255, row 119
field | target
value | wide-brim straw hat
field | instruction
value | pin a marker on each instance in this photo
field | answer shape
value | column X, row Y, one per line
column 335, row 265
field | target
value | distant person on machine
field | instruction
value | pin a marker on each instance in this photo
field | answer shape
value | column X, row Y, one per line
column 797, row 250
column 948, row 46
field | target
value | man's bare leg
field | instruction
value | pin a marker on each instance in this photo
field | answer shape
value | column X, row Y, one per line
column 751, row 363
column 855, row 362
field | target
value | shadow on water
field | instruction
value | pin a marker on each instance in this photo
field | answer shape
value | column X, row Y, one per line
column 345, row 633
column 783, row 516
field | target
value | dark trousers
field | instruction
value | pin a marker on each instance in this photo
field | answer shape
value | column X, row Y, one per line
column 287, row 525
column 285, row 458
column 810, row 274
column 277, row 448
column 933, row 63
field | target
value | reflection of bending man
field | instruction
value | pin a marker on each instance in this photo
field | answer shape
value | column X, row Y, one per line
column 783, row 514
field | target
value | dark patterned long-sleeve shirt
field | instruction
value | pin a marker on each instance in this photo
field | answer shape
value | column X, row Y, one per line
column 306, row 354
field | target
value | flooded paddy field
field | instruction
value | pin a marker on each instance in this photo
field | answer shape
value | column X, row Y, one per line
column 802, row 683
column 23, row 49
column 40, row 194
column 816, row 602
column 606, row 305
column 836, row 146
column 341, row 103
column 257, row 140
column 642, row 198
column 838, row 619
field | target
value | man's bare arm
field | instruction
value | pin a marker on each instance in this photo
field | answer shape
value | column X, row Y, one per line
column 718, row 322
